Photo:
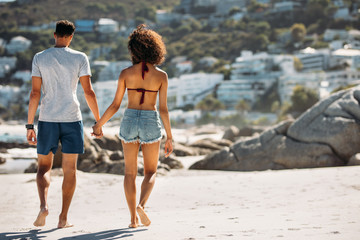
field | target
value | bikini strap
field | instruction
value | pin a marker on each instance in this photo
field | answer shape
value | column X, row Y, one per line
column 144, row 68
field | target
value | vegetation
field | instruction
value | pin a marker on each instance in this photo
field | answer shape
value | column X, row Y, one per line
column 302, row 99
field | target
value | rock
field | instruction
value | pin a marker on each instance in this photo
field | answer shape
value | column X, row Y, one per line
column 86, row 165
column 354, row 160
column 116, row 155
column 326, row 135
column 118, row 167
column 2, row 160
column 57, row 163
column 182, row 150
column 250, row 131
column 334, row 122
column 205, row 143
column 171, row 161
column 32, row 168
column 219, row 160
column 231, row 133
column 109, row 142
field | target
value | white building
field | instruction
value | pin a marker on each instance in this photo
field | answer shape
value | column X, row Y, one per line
column 192, row 88
column 224, row 6
column 334, row 34
column 112, row 70
column 18, row 44
column 287, row 83
column 313, row 60
column 350, row 56
column 286, row 6
column 335, row 79
column 184, row 67
column 6, row 65
column 165, row 17
column 105, row 93
column 231, row 92
column 8, row 94
column 107, row 25
column 24, row 75
column 250, row 64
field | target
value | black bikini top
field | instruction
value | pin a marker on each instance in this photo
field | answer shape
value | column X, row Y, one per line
column 144, row 69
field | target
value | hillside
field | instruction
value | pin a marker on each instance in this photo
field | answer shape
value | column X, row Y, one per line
column 36, row 12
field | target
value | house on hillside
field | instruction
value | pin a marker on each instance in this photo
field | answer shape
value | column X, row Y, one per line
column 192, row 88
column 107, row 25
column 6, row 65
column 17, row 44
column 112, row 70
column 85, row 25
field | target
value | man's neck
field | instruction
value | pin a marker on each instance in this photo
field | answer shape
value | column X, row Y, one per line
column 61, row 45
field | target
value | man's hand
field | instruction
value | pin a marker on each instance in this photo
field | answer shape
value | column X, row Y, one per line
column 31, row 137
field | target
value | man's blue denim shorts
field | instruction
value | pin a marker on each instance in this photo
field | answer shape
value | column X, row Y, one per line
column 70, row 134
column 140, row 126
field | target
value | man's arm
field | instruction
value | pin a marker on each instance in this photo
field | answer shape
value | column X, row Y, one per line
column 33, row 105
column 90, row 96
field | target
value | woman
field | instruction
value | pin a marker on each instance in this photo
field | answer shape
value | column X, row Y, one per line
column 141, row 123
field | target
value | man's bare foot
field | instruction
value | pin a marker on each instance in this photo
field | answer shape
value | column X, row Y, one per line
column 64, row 224
column 143, row 216
column 134, row 225
column 40, row 220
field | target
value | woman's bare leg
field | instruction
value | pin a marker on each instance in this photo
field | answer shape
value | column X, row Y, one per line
column 131, row 151
column 43, row 183
column 151, row 157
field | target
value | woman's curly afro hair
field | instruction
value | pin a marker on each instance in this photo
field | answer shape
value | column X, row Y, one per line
column 145, row 45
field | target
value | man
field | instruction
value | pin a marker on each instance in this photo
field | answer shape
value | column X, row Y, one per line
column 56, row 73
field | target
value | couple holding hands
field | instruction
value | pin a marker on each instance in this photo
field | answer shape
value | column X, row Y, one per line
column 55, row 75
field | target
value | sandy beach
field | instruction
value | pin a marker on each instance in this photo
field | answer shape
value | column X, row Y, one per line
column 314, row 204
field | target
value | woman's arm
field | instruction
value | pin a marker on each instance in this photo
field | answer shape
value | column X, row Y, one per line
column 114, row 106
column 164, row 114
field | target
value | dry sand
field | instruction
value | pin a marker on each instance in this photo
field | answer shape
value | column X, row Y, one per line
column 306, row 204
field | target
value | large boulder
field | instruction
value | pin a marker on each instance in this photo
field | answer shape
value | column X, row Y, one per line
column 328, row 134
column 333, row 122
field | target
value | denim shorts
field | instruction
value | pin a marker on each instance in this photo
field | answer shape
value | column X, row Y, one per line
column 140, row 126
column 70, row 134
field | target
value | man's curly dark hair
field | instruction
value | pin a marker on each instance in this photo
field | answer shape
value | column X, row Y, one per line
column 145, row 45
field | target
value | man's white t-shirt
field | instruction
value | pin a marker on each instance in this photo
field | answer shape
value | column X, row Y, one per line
column 60, row 69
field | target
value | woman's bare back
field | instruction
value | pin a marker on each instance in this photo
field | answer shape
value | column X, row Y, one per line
column 148, row 87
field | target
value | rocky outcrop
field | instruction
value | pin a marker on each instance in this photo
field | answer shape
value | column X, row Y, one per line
column 105, row 155
column 328, row 134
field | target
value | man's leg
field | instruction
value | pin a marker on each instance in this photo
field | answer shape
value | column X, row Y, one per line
column 43, row 183
column 68, row 187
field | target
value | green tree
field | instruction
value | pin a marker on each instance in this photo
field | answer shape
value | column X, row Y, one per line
column 298, row 32
column 303, row 98
column 298, row 64
column 209, row 103
column 242, row 106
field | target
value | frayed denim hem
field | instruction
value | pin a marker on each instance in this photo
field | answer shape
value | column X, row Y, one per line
column 141, row 142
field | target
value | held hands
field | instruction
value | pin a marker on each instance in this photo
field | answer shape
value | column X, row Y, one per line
column 31, row 136
column 168, row 147
column 97, row 131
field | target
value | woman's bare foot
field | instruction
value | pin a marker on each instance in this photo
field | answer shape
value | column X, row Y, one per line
column 40, row 220
column 134, row 225
column 63, row 223
column 143, row 216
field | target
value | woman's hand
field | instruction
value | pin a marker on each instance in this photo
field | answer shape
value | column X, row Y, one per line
column 168, row 147
column 97, row 131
